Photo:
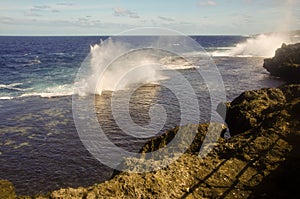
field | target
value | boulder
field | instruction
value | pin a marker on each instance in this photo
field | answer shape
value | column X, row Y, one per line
column 262, row 107
column 286, row 63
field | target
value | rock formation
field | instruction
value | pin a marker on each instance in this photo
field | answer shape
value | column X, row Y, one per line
column 286, row 63
column 262, row 107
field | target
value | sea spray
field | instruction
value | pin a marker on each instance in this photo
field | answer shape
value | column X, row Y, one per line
column 260, row 46
column 101, row 56
column 115, row 65
column 263, row 45
column 128, row 66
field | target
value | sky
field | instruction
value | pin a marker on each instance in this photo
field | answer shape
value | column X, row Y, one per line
column 110, row 17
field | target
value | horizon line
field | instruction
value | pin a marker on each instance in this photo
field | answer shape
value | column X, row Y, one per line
column 114, row 35
column 109, row 35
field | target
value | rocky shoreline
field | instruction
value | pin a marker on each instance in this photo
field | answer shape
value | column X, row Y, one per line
column 260, row 160
column 286, row 63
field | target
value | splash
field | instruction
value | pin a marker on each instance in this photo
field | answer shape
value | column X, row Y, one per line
column 263, row 45
column 114, row 65
column 128, row 67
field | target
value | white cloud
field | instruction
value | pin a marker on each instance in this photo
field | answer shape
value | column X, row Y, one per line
column 31, row 13
column 165, row 18
column 41, row 7
column 6, row 20
column 119, row 11
column 34, row 10
column 39, row 10
column 207, row 3
column 65, row 4
column 86, row 21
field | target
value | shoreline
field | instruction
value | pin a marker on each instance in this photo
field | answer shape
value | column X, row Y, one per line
column 252, row 159
column 260, row 157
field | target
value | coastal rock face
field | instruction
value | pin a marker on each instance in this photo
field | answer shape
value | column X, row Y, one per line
column 254, row 108
column 286, row 63
column 161, row 141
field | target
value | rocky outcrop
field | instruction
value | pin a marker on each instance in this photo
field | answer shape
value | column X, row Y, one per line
column 202, row 129
column 262, row 107
column 286, row 63
column 7, row 190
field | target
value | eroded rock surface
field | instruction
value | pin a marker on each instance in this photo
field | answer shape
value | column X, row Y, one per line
column 262, row 107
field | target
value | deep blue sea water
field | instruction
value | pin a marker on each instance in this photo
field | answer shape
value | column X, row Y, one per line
column 40, row 149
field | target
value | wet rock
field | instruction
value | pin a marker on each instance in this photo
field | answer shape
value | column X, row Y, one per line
column 286, row 63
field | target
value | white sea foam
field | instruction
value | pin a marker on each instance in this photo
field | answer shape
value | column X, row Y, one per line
column 46, row 95
column 6, row 98
column 55, row 91
column 32, row 62
column 175, row 63
column 12, row 86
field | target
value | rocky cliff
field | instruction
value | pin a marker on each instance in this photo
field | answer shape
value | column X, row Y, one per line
column 286, row 63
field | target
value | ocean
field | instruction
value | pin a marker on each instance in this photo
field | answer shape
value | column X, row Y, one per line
column 40, row 148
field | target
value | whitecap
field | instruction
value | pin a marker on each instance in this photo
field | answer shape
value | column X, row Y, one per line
column 12, row 86
column 6, row 98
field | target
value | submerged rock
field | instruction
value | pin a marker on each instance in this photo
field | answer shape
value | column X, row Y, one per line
column 286, row 63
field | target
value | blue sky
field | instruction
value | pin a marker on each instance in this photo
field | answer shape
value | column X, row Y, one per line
column 99, row 17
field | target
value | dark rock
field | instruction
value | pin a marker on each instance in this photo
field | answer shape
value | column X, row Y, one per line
column 286, row 63
column 254, row 108
column 194, row 148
